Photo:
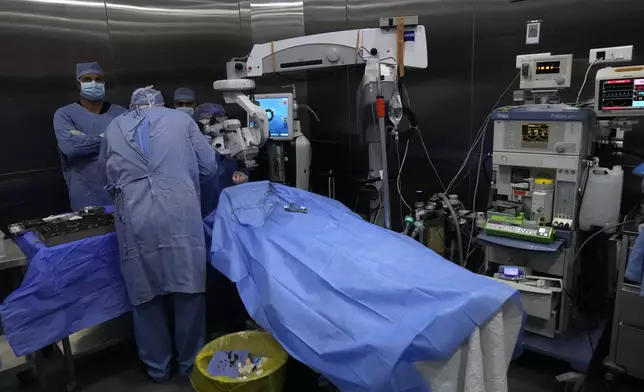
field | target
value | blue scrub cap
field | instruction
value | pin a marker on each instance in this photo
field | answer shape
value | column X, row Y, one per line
column 184, row 94
column 146, row 96
column 209, row 109
column 83, row 69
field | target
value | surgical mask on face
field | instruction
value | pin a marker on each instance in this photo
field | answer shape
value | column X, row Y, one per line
column 93, row 91
column 187, row 110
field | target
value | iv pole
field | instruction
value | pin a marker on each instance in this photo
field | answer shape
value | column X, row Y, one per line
column 380, row 111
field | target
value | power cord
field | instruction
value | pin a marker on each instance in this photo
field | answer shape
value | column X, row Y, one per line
column 422, row 141
column 586, row 79
column 402, row 165
column 478, row 138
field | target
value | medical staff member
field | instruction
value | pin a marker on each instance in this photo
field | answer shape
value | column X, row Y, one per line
column 153, row 159
column 227, row 172
column 79, row 128
column 185, row 100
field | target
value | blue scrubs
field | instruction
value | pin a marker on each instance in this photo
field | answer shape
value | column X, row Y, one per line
column 77, row 131
column 153, row 160
column 154, row 339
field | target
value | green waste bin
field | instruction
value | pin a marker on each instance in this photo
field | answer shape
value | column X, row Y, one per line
column 260, row 344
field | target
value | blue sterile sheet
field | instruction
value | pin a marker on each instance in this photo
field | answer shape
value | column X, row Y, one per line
column 67, row 288
column 355, row 302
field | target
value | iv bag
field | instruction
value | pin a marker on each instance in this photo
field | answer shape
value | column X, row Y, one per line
column 395, row 109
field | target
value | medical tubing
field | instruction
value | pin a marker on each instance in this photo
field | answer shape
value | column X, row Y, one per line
column 459, row 239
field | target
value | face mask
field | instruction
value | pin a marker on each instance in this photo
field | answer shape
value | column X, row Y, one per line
column 187, row 110
column 92, row 90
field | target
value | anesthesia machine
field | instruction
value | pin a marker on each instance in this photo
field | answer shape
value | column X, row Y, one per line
column 547, row 186
column 540, row 162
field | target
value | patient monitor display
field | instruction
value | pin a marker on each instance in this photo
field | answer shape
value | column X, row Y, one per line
column 619, row 92
column 279, row 110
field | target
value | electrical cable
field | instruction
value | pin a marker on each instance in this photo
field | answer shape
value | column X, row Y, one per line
column 459, row 238
column 476, row 189
column 378, row 208
column 586, row 79
column 478, row 138
column 630, row 152
column 422, row 141
column 469, row 153
column 402, row 165
column 450, row 186
column 362, row 188
column 375, row 219
column 307, row 107
column 590, row 338
column 582, row 193
column 400, row 210
column 487, row 176
column 574, row 259
column 355, row 205
column 380, row 60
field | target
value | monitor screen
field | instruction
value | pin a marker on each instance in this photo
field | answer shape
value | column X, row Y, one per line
column 548, row 67
column 621, row 94
column 511, row 271
column 278, row 111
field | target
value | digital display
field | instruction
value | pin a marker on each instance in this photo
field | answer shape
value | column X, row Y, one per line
column 511, row 271
column 620, row 94
column 548, row 67
column 535, row 135
column 278, row 111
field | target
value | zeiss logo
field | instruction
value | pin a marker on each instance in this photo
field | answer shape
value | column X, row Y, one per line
column 503, row 115
column 409, row 36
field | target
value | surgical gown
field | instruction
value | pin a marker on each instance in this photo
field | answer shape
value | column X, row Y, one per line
column 156, row 196
column 78, row 133
column 211, row 188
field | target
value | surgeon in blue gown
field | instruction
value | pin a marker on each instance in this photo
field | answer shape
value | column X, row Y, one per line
column 79, row 128
column 153, row 159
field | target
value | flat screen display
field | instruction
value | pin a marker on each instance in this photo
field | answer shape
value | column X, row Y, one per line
column 278, row 110
column 535, row 135
column 511, row 271
column 548, row 67
column 621, row 94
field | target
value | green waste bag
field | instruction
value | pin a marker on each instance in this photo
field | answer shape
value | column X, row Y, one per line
column 260, row 344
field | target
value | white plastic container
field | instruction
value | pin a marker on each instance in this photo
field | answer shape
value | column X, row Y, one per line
column 602, row 199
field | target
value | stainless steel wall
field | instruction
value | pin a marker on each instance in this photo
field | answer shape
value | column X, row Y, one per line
column 40, row 42
column 170, row 43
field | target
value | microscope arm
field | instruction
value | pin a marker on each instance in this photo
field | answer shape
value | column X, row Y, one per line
column 257, row 114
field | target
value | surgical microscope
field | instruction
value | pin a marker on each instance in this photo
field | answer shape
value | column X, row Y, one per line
column 399, row 45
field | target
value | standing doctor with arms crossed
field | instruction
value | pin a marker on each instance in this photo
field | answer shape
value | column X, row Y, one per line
column 79, row 128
